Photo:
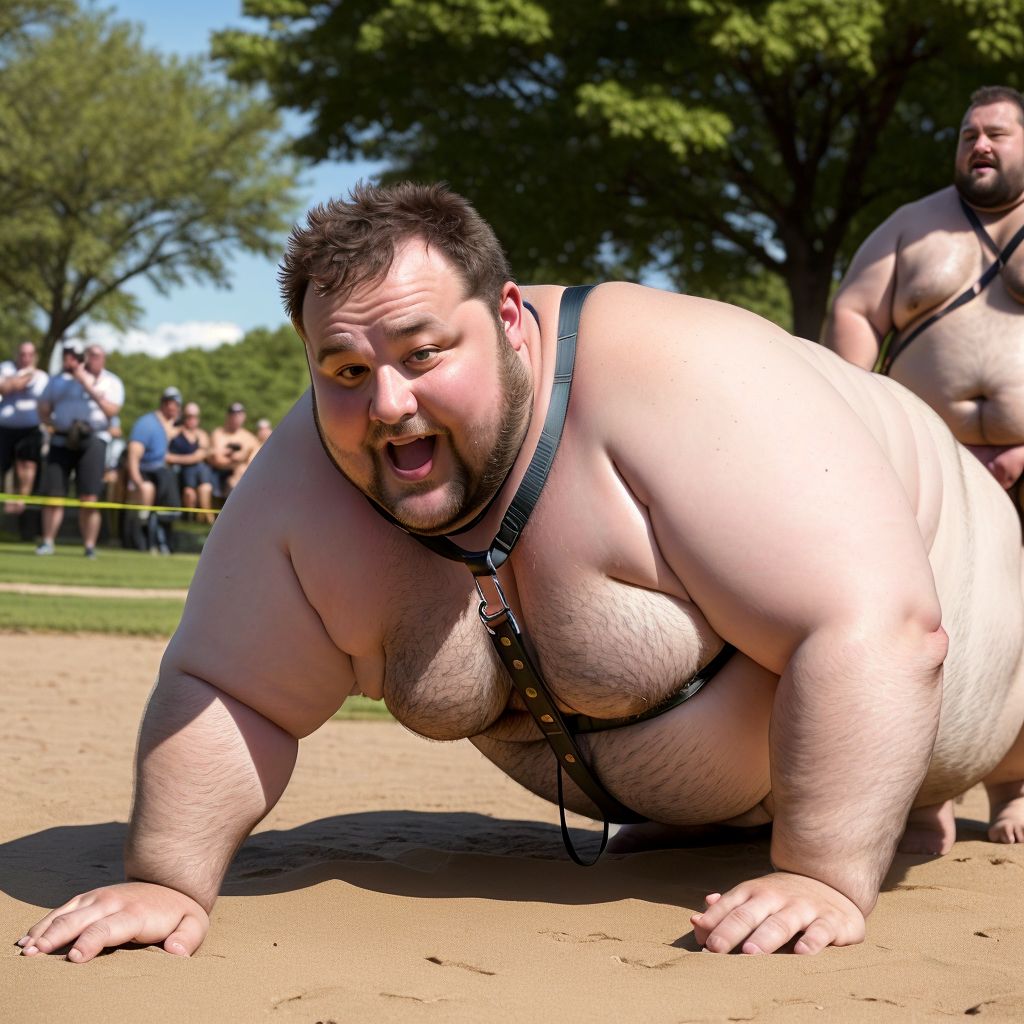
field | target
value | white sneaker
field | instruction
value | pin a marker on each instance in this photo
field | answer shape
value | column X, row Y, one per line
column 46, row 548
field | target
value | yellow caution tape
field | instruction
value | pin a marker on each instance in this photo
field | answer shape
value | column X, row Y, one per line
column 35, row 499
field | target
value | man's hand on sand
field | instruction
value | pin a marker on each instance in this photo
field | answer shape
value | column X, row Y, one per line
column 130, row 912
column 762, row 915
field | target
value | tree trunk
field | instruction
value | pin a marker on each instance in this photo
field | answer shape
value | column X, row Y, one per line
column 809, row 280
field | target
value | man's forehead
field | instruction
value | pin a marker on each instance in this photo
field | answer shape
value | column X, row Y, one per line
column 420, row 288
column 999, row 114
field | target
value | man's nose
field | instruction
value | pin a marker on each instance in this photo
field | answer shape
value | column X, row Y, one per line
column 393, row 399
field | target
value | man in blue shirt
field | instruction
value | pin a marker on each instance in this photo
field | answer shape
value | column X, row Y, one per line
column 150, row 480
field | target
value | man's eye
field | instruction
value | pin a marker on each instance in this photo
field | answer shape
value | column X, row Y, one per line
column 423, row 355
column 351, row 373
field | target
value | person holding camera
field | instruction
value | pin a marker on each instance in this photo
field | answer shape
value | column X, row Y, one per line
column 231, row 449
column 77, row 405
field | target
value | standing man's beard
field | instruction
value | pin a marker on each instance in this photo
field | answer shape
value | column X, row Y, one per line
column 467, row 495
column 997, row 190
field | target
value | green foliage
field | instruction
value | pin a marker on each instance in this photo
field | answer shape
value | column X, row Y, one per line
column 19, row 16
column 266, row 371
column 117, row 163
column 718, row 142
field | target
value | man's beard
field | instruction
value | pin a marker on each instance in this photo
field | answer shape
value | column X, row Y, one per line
column 994, row 190
column 467, row 491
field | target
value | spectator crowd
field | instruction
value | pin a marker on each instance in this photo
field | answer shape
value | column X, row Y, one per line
column 61, row 436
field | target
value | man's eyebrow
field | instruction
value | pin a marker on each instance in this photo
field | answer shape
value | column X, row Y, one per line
column 413, row 323
column 338, row 345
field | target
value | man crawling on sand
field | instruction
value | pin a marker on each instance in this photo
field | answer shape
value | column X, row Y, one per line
column 759, row 583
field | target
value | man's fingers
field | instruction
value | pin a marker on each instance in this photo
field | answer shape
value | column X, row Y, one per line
column 774, row 932
column 112, row 930
column 187, row 937
column 57, row 929
column 816, row 937
column 728, row 926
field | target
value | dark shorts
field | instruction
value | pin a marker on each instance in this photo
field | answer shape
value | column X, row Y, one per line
column 195, row 475
column 87, row 465
column 165, row 481
column 19, row 444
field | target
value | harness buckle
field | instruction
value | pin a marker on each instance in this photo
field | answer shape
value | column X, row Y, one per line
column 503, row 613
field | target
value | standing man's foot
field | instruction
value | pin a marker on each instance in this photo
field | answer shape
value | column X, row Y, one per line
column 90, row 552
column 46, row 548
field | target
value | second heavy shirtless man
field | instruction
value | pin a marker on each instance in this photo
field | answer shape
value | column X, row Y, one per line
column 967, row 363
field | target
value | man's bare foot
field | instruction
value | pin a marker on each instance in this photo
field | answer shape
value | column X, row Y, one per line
column 1006, row 800
column 930, row 829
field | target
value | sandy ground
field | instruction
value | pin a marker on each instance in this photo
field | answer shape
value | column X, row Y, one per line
column 402, row 880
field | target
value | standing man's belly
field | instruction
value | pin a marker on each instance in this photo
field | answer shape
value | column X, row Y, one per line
column 969, row 368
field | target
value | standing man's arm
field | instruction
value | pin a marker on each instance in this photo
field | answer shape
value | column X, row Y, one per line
column 108, row 407
column 862, row 311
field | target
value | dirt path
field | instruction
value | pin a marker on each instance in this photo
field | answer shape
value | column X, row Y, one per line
column 61, row 590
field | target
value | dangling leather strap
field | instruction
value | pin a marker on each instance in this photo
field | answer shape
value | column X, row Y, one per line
column 494, row 609
column 964, row 297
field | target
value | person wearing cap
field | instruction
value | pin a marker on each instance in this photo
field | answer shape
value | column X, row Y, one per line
column 77, row 405
column 150, row 480
column 231, row 449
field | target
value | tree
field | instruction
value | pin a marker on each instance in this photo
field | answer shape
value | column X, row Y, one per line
column 266, row 370
column 116, row 164
column 18, row 16
column 729, row 145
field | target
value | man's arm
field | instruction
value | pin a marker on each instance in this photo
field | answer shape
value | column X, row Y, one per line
column 809, row 559
column 862, row 311
column 208, row 769
column 108, row 407
column 133, row 457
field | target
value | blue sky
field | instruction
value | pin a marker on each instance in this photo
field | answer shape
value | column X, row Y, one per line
column 183, row 27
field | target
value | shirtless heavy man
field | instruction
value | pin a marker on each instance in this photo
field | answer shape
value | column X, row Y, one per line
column 968, row 364
column 839, row 561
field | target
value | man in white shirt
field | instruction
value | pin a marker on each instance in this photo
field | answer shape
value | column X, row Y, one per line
column 78, row 405
column 21, row 384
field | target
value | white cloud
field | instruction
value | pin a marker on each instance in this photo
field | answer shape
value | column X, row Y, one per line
column 166, row 338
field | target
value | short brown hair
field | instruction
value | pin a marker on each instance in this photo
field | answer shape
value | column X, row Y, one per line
column 998, row 94
column 346, row 244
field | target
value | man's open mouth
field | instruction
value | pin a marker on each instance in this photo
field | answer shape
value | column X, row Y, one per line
column 411, row 458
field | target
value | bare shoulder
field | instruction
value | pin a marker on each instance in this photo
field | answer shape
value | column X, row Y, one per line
column 277, row 608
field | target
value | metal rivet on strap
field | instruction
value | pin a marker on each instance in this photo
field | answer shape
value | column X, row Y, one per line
column 546, row 718
column 571, row 758
column 505, row 642
column 516, row 663
column 531, row 692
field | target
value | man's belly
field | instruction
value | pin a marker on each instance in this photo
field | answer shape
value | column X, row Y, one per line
column 969, row 368
column 703, row 761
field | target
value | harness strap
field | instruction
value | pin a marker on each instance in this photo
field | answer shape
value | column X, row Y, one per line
column 1002, row 257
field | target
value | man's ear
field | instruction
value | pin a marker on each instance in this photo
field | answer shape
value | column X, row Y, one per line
column 510, row 313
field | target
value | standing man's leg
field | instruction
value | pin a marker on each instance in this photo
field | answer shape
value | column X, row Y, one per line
column 89, row 480
column 56, row 475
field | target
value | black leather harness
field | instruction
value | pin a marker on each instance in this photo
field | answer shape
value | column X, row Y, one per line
column 504, row 630
column 1002, row 257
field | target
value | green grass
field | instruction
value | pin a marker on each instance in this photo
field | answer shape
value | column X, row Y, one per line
column 115, row 567
column 52, row 614
column 363, row 709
